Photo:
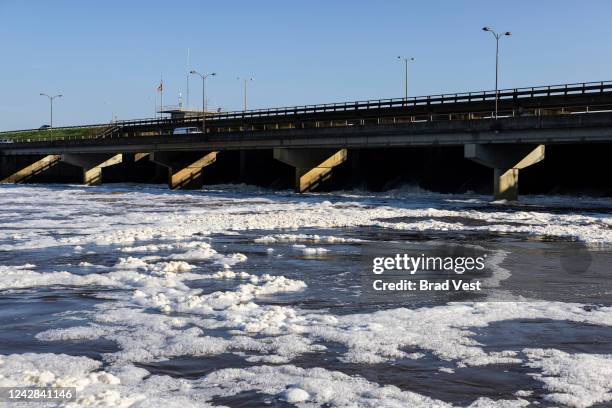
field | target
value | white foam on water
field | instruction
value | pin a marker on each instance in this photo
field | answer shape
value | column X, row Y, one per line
column 188, row 317
column 307, row 238
column 20, row 277
column 317, row 387
column 267, row 214
column 445, row 331
column 314, row 251
column 308, row 250
column 148, row 248
column 128, row 386
column 121, row 387
column 574, row 380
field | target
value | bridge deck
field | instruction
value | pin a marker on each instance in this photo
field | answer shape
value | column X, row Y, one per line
column 587, row 128
column 572, row 112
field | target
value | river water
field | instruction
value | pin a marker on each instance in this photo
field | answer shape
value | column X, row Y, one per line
column 242, row 297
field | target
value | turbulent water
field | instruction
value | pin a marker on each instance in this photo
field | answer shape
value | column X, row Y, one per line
column 240, row 297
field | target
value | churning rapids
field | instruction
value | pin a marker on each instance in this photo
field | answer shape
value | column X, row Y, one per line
column 240, row 297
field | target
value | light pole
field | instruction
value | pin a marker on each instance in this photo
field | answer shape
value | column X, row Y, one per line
column 497, row 37
column 51, row 98
column 203, row 76
column 246, row 81
column 406, row 61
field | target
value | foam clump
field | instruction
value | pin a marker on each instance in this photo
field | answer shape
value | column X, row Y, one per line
column 574, row 380
column 72, row 333
column 23, row 277
column 93, row 387
column 131, row 263
column 228, row 274
column 295, row 395
column 171, row 267
column 314, row 251
column 123, row 386
column 148, row 248
column 205, row 252
column 317, row 387
column 290, row 238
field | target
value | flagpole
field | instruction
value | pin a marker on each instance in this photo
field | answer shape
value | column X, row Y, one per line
column 161, row 96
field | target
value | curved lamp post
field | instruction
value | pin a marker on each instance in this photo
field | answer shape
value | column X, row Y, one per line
column 203, row 76
column 51, row 98
column 497, row 37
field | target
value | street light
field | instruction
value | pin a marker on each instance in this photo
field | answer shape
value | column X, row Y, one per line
column 203, row 76
column 246, row 81
column 406, row 61
column 497, row 37
column 51, row 98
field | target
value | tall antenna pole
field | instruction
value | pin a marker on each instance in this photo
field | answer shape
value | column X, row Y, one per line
column 188, row 70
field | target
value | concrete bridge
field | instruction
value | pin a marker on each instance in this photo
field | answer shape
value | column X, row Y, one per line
column 316, row 139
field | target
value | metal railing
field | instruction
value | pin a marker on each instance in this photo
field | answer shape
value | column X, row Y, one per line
column 515, row 93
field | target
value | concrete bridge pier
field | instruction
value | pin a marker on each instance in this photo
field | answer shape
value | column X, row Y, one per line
column 506, row 161
column 312, row 166
column 92, row 164
column 14, row 172
column 185, row 169
column 140, row 156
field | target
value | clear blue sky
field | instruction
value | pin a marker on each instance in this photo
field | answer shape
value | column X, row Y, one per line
column 107, row 56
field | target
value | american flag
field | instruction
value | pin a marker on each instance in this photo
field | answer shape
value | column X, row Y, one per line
column 160, row 88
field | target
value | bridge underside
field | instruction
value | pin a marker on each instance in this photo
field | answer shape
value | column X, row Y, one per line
column 568, row 168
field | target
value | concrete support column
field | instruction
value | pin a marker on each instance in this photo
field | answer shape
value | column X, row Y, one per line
column 92, row 164
column 312, row 166
column 140, row 156
column 184, row 171
column 506, row 161
column 31, row 170
column 243, row 167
